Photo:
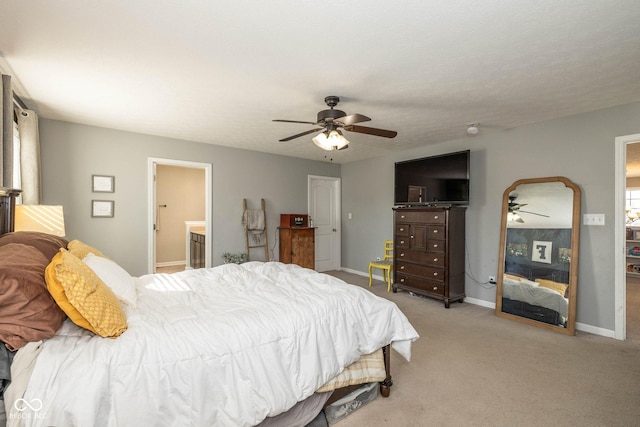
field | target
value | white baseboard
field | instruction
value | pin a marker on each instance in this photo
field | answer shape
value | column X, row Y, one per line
column 492, row 305
column 595, row 330
column 480, row 302
column 170, row 263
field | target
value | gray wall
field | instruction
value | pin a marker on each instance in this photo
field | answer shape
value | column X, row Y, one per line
column 580, row 148
column 71, row 153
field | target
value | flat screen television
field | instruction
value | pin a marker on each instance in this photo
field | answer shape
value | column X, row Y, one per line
column 435, row 180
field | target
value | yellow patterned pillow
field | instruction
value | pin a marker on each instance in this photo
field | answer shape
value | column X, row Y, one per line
column 561, row 288
column 81, row 249
column 85, row 298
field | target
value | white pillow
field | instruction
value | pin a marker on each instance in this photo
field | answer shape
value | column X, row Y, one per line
column 115, row 277
column 529, row 282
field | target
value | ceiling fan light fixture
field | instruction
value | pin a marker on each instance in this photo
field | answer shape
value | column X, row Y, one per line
column 331, row 141
column 512, row 216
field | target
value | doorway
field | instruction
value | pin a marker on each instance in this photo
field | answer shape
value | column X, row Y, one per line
column 626, row 306
column 324, row 210
column 158, row 213
column 632, row 211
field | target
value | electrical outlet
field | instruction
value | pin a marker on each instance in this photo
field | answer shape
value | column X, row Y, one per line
column 492, row 280
column 378, row 258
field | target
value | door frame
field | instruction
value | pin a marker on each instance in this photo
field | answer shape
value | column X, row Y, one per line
column 336, row 183
column 620, row 296
column 152, row 162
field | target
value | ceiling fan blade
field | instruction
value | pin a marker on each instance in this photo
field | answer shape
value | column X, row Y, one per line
column 300, row 134
column 371, row 131
column 517, row 206
column 295, row 121
column 533, row 213
column 351, row 119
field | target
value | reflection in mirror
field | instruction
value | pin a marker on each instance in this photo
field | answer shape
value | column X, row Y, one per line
column 539, row 238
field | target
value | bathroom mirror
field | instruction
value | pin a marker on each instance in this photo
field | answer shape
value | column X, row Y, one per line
column 538, row 266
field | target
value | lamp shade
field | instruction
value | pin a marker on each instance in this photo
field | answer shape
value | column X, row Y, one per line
column 42, row 218
column 333, row 141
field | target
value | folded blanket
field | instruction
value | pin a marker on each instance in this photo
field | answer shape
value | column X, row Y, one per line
column 253, row 220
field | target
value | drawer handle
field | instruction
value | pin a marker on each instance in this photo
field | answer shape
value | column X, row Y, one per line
column 435, row 274
column 436, row 217
column 402, row 254
column 402, row 242
column 435, row 245
column 435, row 288
column 401, row 280
column 412, row 237
column 402, row 216
column 401, row 229
column 402, row 267
column 435, row 260
column 435, row 231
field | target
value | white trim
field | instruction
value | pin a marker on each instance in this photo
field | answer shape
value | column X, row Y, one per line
column 620, row 297
column 595, row 330
column 151, row 241
column 480, row 302
column 170, row 263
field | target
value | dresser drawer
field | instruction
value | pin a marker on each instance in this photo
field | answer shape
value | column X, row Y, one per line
column 436, row 217
column 428, row 272
column 435, row 232
column 429, row 258
column 421, row 284
column 434, row 245
column 402, row 229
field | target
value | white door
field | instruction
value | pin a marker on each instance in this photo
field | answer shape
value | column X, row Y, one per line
column 324, row 209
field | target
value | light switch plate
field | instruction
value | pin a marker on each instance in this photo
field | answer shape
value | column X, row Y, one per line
column 593, row 219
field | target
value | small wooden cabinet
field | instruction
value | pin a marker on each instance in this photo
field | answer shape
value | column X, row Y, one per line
column 197, row 249
column 429, row 253
column 297, row 246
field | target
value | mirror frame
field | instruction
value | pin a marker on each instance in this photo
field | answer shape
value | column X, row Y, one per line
column 573, row 268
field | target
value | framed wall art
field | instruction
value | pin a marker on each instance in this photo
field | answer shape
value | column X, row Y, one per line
column 102, row 208
column 103, row 184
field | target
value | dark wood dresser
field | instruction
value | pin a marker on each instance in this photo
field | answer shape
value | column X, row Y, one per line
column 297, row 246
column 429, row 252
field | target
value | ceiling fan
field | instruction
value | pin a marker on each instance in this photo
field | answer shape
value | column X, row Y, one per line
column 514, row 210
column 332, row 122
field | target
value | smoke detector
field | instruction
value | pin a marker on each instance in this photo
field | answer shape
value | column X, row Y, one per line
column 472, row 129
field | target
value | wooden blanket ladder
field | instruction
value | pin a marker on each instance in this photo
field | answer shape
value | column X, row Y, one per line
column 255, row 238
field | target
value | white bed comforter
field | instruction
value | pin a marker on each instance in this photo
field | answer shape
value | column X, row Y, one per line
column 226, row 346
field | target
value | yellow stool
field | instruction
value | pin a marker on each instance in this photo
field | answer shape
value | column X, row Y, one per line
column 385, row 265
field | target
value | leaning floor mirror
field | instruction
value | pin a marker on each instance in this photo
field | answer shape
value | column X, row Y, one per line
column 538, row 260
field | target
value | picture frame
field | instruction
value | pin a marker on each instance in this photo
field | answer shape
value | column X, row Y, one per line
column 103, row 183
column 541, row 251
column 636, row 234
column 102, row 208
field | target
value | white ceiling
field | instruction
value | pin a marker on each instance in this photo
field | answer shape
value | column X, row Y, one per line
column 219, row 72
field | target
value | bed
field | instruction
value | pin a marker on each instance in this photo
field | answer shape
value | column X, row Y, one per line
column 539, row 299
column 240, row 345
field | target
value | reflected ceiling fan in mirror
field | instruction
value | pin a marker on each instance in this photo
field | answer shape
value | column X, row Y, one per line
column 514, row 210
column 332, row 122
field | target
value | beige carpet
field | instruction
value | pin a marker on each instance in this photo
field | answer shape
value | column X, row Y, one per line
column 471, row 368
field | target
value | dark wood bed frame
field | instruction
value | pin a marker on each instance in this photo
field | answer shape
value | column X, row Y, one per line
column 7, row 209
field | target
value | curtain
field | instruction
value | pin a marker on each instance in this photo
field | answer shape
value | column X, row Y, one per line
column 29, row 157
column 6, row 132
column 29, row 147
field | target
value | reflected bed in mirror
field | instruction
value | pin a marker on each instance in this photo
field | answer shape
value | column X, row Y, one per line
column 539, row 239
